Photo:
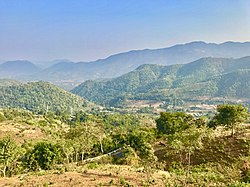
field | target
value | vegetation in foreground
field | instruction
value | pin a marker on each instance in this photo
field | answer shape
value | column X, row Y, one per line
column 173, row 149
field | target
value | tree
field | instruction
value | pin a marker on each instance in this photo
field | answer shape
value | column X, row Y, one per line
column 43, row 155
column 169, row 123
column 9, row 154
column 230, row 116
column 67, row 149
column 84, row 136
column 187, row 141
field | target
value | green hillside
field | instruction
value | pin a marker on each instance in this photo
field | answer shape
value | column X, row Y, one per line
column 8, row 82
column 235, row 84
column 40, row 97
column 211, row 77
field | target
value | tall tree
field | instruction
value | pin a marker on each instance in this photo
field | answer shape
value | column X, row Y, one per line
column 230, row 116
column 84, row 136
column 187, row 141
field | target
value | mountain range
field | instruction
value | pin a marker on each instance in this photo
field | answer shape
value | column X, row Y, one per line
column 69, row 73
column 206, row 77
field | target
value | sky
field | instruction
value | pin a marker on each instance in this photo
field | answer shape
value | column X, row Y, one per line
column 86, row 30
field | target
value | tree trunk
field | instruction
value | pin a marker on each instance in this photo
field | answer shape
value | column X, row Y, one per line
column 82, row 155
column 188, row 170
column 101, row 145
column 67, row 155
column 67, row 158
column 232, row 131
column 4, row 171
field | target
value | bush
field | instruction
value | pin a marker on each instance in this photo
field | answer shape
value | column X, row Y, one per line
column 10, row 152
column 44, row 155
column 128, row 157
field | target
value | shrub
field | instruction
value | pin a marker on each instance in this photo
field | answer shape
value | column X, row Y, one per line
column 128, row 157
column 10, row 152
column 44, row 155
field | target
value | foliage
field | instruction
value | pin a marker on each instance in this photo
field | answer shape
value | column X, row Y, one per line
column 9, row 155
column 139, row 140
column 169, row 123
column 210, row 77
column 40, row 97
column 83, row 137
column 189, row 140
column 128, row 157
column 10, row 114
column 8, row 82
column 43, row 155
column 230, row 116
column 124, row 120
column 192, row 153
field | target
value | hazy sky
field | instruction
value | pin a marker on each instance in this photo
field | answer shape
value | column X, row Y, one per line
column 83, row 30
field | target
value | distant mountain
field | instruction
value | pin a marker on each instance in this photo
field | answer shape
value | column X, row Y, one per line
column 122, row 63
column 67, row 74
column 18, row 68
column 40, row 97
column 55, row 71
column 213, row 77
column 46, row 64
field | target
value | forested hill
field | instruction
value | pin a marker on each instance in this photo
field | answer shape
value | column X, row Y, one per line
column 235, row 84
column 40, row 97
column 8, row 82
column 205, row 77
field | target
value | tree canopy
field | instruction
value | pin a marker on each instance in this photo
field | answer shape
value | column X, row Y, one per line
column 169, row 123
column 230, row 116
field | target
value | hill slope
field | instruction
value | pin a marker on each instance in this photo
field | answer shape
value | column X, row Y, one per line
column 235, row 84
column 204, row 77
column 8, row 82
column 40, row 97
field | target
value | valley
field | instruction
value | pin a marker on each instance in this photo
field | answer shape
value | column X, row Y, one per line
column 175, row 125
column 124, row 93
column 199, row 81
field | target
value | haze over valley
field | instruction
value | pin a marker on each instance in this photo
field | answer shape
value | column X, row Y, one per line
column 66, row 72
